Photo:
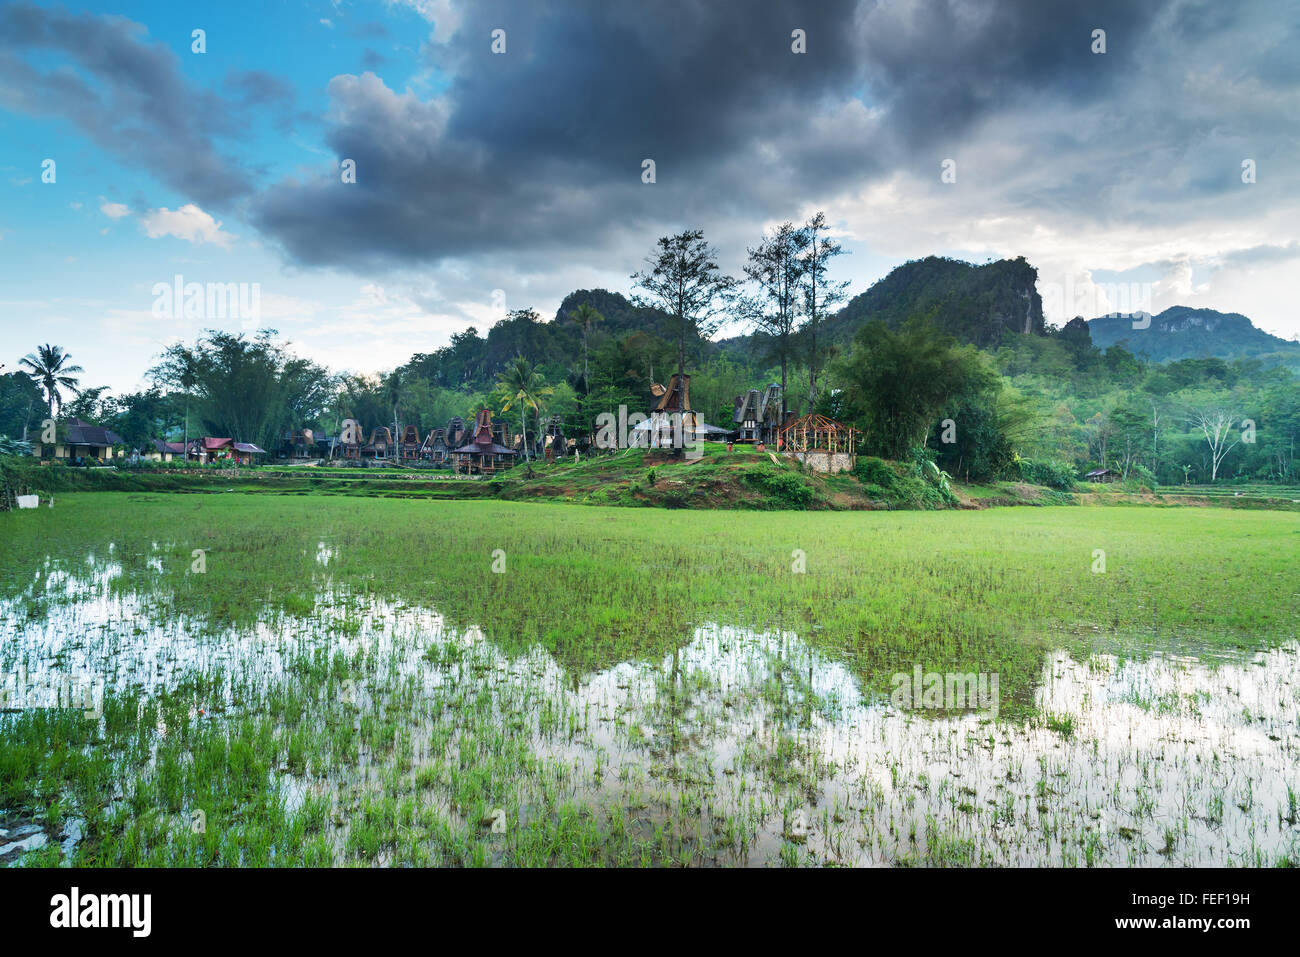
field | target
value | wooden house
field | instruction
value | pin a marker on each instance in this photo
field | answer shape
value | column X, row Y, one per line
column 298, row 444
column 483, row 454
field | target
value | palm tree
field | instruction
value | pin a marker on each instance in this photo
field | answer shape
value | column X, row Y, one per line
column 585, row 316
column 50, row 370
column 525, row 388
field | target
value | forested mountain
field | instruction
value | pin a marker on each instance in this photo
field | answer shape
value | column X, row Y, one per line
column 1181, row 332
column 975, row 304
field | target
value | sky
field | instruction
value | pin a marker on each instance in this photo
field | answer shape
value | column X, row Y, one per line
column 1153, row 164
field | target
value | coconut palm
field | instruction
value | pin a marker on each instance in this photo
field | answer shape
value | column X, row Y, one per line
column 525, row 388
column 50, row 370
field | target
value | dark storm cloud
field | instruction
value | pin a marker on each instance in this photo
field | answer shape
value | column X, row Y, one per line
column 140, row 108
column 941, row 66
column 543, row 144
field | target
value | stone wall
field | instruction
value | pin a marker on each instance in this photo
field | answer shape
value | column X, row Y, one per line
column 820, row 461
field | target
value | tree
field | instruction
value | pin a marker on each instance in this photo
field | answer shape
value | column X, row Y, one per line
column 1100, row 430
column 139, row 417
column 684, row 281
column 19, row 399
column 1217, row 422
column 984, row 428
column 1129, row 430
column 819, row 292
column 777, row 266
column 585, row 317
column 250, row 390
column 897, row 381
column 90, row 404
column 51, row 371
column 525, row 388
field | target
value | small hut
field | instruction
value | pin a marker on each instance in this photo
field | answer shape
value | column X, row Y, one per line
column 821, row 443
column 483, row 454
column 1102, row 475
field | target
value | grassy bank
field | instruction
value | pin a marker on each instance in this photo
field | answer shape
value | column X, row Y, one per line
column 742, row 479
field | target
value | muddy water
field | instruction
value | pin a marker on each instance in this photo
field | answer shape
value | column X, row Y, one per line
column 754, row 748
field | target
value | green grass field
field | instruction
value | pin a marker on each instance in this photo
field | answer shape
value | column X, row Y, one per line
column 312, row 679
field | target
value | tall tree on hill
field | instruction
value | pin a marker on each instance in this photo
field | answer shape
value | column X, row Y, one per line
column 584, row 317
column 776, row 266
column 51, row 371
column 684, row 281
column 820, row 293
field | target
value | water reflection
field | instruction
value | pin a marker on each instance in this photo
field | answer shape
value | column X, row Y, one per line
column 750, row 748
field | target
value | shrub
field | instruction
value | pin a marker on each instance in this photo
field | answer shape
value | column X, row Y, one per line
column 1048, row 472
column 786, row 489
column 1142, row 477
column 870, row 470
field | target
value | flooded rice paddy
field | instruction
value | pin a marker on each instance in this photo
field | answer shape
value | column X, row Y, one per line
column 362, row 730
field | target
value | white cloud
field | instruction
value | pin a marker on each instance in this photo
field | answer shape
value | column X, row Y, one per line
column 189, row 223
column 441, row 13
column 112, row 210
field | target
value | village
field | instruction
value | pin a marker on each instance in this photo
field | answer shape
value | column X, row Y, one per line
column 484, row 446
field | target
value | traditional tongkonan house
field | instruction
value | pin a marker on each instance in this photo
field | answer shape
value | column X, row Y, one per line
column 435, row 448
column 758, row 416
column 483, row 454
column 298, row 444
column 672, row 411
column 380, row 445
column 457, row 433
column 409, row 447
